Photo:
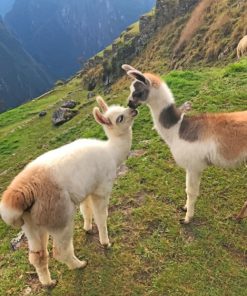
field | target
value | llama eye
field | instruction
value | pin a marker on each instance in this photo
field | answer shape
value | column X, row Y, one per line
column 120, row 119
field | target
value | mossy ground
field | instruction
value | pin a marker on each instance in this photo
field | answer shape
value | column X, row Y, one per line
column 152, row 253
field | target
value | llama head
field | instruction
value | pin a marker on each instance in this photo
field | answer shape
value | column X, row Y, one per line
column 116, row 120
column 145, row 88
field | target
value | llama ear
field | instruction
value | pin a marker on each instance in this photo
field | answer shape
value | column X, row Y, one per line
column 102, row 103
column 139, row 76
column 99, row 117
column 127, row 68
column 186, row 107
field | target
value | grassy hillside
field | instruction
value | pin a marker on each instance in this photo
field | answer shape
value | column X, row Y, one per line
column 205, row 34
column 152, row 253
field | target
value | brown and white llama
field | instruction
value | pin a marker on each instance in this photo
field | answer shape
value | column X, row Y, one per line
column 242, row 47
column 195, row 141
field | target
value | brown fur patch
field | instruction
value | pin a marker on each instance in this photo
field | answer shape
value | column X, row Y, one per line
column 191, row 128
column 231, row 133
column 228, row 129
column 155, row 80
column 19, row 195
column 169, row 116
column 35, row 193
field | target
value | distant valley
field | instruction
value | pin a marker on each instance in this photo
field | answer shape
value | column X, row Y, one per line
column 21, row 78
column 56, row 37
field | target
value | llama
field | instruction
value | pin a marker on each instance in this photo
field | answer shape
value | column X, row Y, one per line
column 43, row 197
column 242, row 47
column 195, row 141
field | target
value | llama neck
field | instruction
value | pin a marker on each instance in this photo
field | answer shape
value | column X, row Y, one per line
column 161, row 99
column 164, row 113
column 120, row 146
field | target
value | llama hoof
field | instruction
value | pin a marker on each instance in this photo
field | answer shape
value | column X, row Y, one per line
column 89, row 231
column 236, row 218
column 184, row 222
column 184, row 209
column 81, row 264
column 106, row 246
column 78, row 265
column 51, row 285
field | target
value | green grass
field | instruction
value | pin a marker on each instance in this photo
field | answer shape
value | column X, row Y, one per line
column 152, row 253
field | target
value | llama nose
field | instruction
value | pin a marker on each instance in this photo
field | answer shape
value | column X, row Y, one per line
column 131, row 104
column 134, row 112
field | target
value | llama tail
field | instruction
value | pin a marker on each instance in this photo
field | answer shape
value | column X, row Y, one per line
column 13, row 204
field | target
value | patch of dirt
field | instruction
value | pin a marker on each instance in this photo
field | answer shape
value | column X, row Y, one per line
column 137, row 153
column 155, row 225
column 137, row 201
column 122, row 170
column 140, row 197
column 33, row 284
column 188, row 234
column 239, row 255
column 143, row 276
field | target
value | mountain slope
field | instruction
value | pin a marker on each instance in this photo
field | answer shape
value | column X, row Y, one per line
column 178, row 34
column 59, row 33
column 21, row 78
column 152, row 253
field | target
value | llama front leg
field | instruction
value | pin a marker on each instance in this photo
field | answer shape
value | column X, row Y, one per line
column 100, row 212
column 87, row 213
column 192, row 190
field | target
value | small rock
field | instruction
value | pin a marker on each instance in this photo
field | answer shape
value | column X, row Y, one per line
column 92, row 84
column 69, row 104
column 137, row 153
column 62, row 115
column 122, row 170
column 27, row 291
column 42, row 113
column 16, row 241
column 90, row 95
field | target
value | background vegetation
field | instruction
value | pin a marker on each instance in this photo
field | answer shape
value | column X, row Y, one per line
column 152, row 253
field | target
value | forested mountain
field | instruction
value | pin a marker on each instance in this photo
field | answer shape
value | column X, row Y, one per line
column 60, row 33
column 21, row 78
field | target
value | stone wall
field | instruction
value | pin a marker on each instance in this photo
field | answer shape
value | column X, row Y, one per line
column 167, row 10
column 123, row 52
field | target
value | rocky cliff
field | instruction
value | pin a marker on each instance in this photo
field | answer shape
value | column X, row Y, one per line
column 134, row 39
column 175, row 34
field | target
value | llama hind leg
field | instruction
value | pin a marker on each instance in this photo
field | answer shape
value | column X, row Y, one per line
column 38, row 254
column 63, row 248
column 87, row 213
column 193, row 180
